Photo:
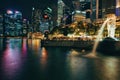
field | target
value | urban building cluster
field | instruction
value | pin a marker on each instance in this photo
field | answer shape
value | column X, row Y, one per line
column 12, row 24
column 60, row 12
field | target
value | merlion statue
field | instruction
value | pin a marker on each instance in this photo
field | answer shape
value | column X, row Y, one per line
column 111, row 25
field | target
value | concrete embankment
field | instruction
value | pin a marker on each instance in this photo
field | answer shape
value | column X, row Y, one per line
column 67, row 43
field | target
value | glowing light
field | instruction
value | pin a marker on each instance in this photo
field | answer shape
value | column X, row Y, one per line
column 24, row 19
column 24, row 47
column 9, row 12
column 117, row 3
column 36, row 45
column 45, row 16
column 11, row 61
column 17, row 12
column 77, row 11
column 77, row 66
column 110, row 68
column 43, row 59
column 33, row 8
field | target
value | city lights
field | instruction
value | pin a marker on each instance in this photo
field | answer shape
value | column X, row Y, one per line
column 17, row 12
column 59, row 39
column 9, row 12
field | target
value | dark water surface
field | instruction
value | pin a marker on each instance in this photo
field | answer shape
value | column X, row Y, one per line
column 24, row 59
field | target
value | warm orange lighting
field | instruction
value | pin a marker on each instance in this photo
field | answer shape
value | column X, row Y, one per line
column 36, row 44
column 117, row 3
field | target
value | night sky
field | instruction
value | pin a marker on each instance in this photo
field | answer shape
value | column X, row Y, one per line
column 25, row 6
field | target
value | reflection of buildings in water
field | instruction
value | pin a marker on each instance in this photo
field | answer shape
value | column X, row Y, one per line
column 11, row 62
column 15, row 43
column 43, row 59
column 36, row 45
column 107, row 69
column 29, row 42
column 24, row 47
column 77, row 67
column 1, row 44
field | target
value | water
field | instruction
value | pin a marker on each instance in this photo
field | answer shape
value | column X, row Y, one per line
column 24, row 59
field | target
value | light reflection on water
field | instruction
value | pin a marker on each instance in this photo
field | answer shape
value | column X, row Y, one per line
column 11, row 60
column 1, row 44
column 34, row 44
column 24, row 59
column 78, row 67
column 43, row 59
column 108, row 68
column 24, row 47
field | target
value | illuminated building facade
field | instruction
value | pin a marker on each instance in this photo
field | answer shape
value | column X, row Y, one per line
column 82, row 7
column 41, row 20
column 13, row 23
column 60, row 11
column 101, row 8
column 1, row 25
column 117, row 7
column 109, row 7
column 46, row 22
column 25, row 27
column 36, row 20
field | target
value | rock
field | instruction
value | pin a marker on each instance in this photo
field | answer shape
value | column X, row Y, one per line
column 109, row 46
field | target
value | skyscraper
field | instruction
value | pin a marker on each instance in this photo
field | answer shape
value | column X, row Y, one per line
column 117, row 7
column 12, row 23
column 60, row 11
column 108, row 7
column 1, row 25
column 101, row 8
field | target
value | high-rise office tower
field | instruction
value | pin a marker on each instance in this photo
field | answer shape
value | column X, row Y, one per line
column 82, row 7
column 101, row 8
column 117, row 7
column 108, row 7
column 12, row 23
column 1, row 25
column 60, row 11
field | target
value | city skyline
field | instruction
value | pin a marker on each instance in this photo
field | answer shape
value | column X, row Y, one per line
column 25, row 6
column 19, row 5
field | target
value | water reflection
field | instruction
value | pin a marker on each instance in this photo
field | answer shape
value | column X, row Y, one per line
column 24, row 47
column 1, row 44
column 108, row 68
column 102, row 68
column 34, row 44
column 78, row 67
column 44, row 57
column 29, row 43
column 11, row 60
column 24, row 59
